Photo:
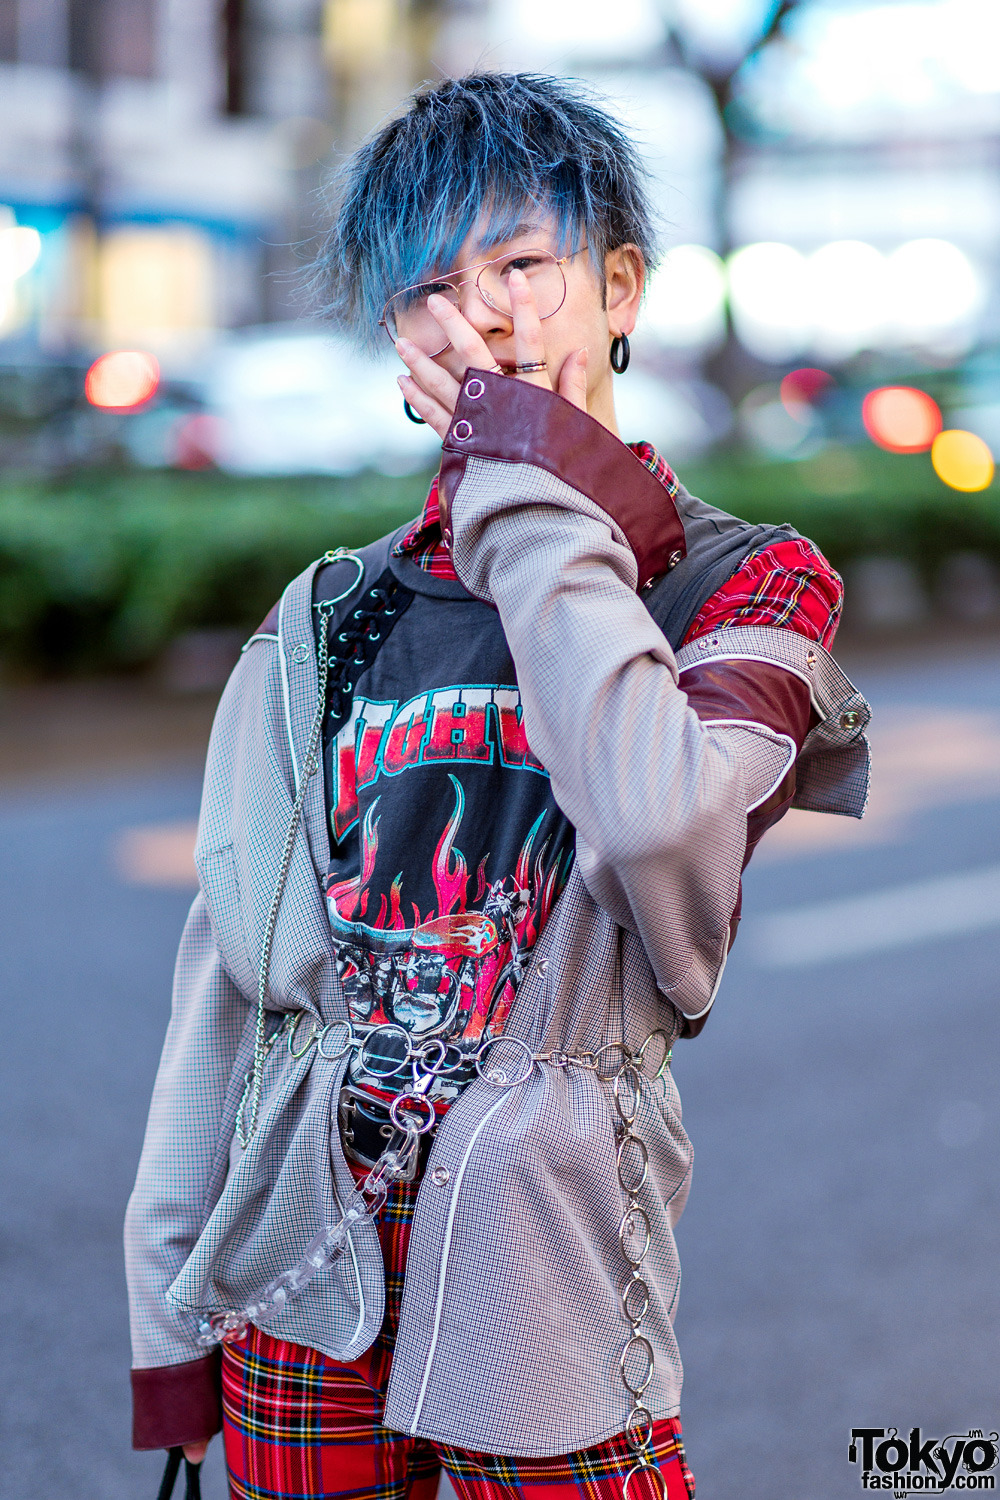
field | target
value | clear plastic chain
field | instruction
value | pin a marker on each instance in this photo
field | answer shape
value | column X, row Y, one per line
column 384, row 1052
column 412, row 1114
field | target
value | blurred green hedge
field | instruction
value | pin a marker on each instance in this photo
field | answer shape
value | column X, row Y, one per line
column 99, row 572
column 857, row 502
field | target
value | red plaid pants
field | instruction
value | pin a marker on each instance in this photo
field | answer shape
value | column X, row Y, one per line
column 300, row 1426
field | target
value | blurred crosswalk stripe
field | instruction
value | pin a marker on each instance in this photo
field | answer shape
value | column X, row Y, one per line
column 879, row 921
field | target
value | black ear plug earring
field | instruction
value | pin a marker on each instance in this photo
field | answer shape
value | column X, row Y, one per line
column 620, row 353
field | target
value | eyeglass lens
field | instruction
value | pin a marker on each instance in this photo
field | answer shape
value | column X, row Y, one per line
column 408, row 316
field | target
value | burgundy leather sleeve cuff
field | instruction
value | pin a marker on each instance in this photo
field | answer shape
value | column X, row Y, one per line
column 508, row 419
column 175, row 1404
column 753, row 690
column 763, row 694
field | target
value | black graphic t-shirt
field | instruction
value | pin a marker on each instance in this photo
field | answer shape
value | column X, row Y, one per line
column 448, row 848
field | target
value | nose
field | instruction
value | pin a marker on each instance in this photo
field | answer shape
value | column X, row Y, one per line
column 486, row 320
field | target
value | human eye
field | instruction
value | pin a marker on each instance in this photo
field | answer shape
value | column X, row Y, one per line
column 525, row 260
column 412, row 296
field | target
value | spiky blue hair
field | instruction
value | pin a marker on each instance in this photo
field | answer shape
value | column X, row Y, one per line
column 477, row 151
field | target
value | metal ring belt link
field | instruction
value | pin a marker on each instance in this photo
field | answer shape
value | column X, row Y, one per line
column 503, row 1061
column 636, row 1363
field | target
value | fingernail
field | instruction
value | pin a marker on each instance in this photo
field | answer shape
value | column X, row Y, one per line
column 401, row 381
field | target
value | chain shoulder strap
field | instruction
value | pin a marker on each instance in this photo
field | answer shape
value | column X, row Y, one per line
column 245, row 1129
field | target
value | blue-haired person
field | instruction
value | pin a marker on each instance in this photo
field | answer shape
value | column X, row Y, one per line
column 477, row 803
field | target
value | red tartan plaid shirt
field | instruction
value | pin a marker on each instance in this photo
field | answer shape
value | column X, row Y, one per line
column 789, row 584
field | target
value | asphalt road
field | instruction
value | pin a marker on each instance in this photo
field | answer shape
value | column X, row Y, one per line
column 840, row 1244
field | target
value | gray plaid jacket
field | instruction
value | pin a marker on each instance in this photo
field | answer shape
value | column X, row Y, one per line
column 511, row 1324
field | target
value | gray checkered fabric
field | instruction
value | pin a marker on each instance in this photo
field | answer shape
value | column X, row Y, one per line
column 511, row 1325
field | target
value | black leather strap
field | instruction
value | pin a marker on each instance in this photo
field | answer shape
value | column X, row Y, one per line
column 365, row 1127
column 192, row 1476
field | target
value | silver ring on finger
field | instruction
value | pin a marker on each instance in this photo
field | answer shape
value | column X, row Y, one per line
column 531, row 366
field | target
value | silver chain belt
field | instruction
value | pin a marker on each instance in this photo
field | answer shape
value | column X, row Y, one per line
column 636, row 1361
column 502, row 1062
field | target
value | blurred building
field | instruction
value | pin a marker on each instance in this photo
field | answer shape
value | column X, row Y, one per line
column 139, row 142
column 824, row 172
column 159, row 159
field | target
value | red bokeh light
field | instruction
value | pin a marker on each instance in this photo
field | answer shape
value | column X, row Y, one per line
column 802, row 387
column 122, row 380
column 901, row 419
column 196, row 440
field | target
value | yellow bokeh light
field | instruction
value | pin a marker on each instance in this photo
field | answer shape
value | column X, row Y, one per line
column 962, row 460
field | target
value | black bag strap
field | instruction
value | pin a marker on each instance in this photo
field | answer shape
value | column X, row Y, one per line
column 192, row 1476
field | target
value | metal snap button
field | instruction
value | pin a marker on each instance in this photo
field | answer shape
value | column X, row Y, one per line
column 541, row 966
column 811, row 660
column 462, row 431
column 446, row 536
column 850, row 720
column 300, row 653
column 440, row 1177
column 674, row 559
column 474, row 389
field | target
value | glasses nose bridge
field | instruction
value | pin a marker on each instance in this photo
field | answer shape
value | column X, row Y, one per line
column 473, row 280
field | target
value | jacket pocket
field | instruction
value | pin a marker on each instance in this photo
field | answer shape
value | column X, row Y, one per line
column 221, row 888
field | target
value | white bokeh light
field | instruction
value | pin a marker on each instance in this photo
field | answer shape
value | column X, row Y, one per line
column 558, row 30
column 934, row 293
column 723, row 29
column 685, row 298
column 847, row 298
column 769, row 298
column 849, row 66
column 20, row 247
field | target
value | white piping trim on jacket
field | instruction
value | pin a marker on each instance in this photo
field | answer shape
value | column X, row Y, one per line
column 768, row 661
column 445, row 1248
column 715, row 988
column 768, row 733
column 285, row 691
column 262, row 635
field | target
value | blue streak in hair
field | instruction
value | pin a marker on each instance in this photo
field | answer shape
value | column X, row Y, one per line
column 482, row 153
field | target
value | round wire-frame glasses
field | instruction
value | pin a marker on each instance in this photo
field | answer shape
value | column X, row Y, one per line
column 407, row 315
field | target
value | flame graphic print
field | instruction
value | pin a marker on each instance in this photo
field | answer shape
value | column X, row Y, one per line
column 453, row 970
